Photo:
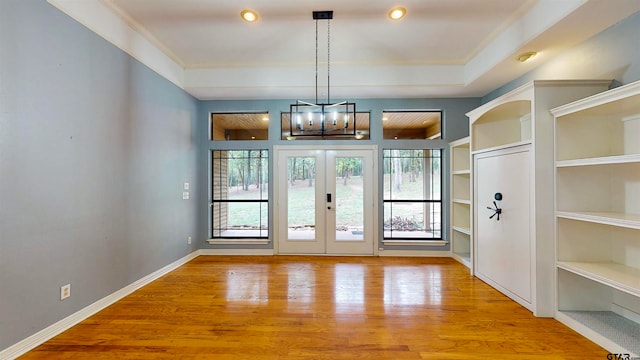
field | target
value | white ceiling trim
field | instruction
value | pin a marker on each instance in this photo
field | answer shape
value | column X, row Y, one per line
column 227, row 83
column 510, row 42
column 491, row 67
column 299, row 82
column 100, row 19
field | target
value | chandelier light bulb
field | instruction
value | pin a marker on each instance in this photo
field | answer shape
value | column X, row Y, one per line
column 299, row 122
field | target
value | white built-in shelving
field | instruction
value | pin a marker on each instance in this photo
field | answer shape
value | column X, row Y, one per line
column 512, row 154
column 598, row 217
column 460, row 234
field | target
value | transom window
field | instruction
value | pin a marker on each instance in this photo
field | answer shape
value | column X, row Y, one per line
column 412, row 124
column 239, row 126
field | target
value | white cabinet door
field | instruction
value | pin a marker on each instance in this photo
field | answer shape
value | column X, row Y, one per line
column 503, row 247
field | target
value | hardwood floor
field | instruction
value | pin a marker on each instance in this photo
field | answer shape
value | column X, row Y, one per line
column 299, row 307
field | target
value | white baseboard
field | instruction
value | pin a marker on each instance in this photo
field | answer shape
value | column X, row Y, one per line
column 262, row 252
column 256, row 252
column 414, row 253
column 49, row 332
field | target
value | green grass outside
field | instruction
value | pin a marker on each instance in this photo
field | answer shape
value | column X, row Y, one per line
column 302, row 203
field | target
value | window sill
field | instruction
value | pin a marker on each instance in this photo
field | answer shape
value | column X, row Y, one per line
column 238, row 241
column 415, row 242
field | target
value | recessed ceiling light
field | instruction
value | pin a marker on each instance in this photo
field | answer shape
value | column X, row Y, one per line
column 249, row 15
column 265, row 118
column 526, row 56
column 397, row 13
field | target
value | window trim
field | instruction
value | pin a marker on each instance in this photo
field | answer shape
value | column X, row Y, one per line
column 436, row 241
column 249, row 240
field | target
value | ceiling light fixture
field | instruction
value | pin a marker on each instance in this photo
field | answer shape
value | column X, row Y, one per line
column 397, row 13
column 526, row 56
column 249, row 15
column 322, row 119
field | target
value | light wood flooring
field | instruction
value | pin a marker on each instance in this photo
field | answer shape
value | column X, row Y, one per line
column 300, row 307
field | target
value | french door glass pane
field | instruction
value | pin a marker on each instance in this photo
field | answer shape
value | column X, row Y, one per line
column 301, row 214
column 349, row 199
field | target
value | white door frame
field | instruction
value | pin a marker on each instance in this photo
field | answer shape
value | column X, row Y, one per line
column 305, row 148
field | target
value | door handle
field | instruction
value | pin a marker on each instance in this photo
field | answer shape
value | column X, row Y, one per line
column 496, row 209
column 329, row 197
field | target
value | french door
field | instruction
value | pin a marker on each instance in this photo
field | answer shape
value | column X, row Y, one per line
column 325, row 201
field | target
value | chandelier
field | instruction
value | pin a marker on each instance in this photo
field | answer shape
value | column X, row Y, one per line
column 322, row 119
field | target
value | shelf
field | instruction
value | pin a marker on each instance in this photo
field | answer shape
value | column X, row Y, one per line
column 611, row 329
column 464, row 258
column 461, row 230
column 605, row 160
column 599, row 129
column 631, row 221
column 597, row 166
column 502, row 121
column 599, row 188
column 460, row 210
column 460, row 156
column 621, row 277
column 500, row 147
column 624, row 94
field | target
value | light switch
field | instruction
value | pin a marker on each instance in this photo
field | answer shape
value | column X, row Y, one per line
column 186, row 186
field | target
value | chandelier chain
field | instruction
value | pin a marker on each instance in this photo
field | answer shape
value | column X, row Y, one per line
column 316, row 61
column 329, row 61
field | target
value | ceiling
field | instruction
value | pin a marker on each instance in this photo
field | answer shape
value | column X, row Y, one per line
column 452, row 48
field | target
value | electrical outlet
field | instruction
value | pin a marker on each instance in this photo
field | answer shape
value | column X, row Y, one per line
column 185, row 195
column 189, row 240
column 65, row 291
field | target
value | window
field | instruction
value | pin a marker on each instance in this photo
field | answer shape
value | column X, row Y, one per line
column 412, row 198
column 239, row 184
column 412, row 124
column 239, row 126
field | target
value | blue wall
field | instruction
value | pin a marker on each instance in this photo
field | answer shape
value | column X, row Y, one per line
column 94, row 148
